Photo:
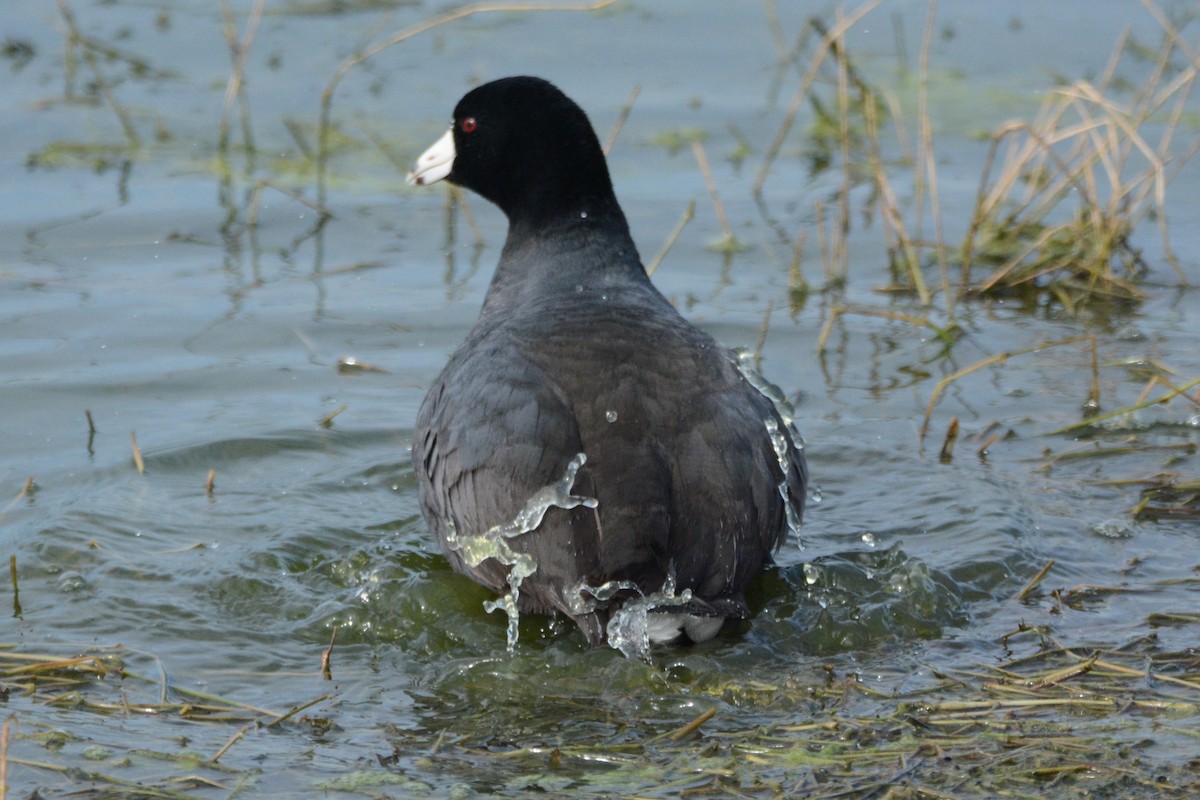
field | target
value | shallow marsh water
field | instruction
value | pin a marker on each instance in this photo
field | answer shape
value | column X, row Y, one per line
column 132, row 286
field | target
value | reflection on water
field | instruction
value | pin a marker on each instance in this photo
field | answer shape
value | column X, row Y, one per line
column 200, row 298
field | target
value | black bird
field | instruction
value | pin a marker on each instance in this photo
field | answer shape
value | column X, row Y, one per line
column 666, row 473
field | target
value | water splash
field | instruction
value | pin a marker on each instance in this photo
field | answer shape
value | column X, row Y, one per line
column 783, row 439
column 744, row 361
column 628, row 628
column 583, row 598
column 779, row 441
column 492, row 542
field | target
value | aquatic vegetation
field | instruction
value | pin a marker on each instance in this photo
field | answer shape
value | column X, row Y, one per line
column 678, row 139
column 1048, row 717
column 1060, row 197
column 1074, row 185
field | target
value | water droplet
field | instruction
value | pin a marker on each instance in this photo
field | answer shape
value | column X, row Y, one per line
column 868, row 539
column 583, row 215
column 814, row 495
column 578, row 288
column 604, row 297
column 812, row 574
column 1113, row 529
column 610, row 415
column 71, row 582
column 1130, row 333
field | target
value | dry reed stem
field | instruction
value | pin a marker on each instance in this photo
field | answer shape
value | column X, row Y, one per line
column 1167, row 383
column 838, row 311
column 1035, row 580
column 988, row 202
column 16, row 589
column 87, row 664
column 293, row 712
column 688, row 213
column 87, row 47
column 326, row 667
column 137, row 454
column 299, row 137
column 982, row 450
column 775, row 28
column 1090, row 421
column 327, row 420
column 1093, row 399
column 1145, row 392
column 444, row 18
column 27, row 488
column 1103, row 141
column 796, row 281
column 235, row 87
column 987, row 362
column 711, row 184
column 814, row 65
column 926, row 163
column 692, row 726
column 621, row 118
column 122, row 114
column 947, row 453
column 1012, row 715
column 230, row 743
column 4, row 757
column 841, row 58
column 256, row 201
column 890, row 209
column 822, row 240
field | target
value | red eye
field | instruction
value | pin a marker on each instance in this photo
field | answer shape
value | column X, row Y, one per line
column 469, row 125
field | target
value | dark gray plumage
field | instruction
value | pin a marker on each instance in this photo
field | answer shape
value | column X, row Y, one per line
column 575, row 351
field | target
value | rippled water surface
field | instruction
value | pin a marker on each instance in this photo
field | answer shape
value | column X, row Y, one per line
column 167, row 292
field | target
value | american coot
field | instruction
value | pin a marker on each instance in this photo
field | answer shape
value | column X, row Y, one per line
column 587, row 450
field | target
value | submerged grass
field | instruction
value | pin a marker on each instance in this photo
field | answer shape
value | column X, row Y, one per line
column 1060, row 721
column 103, row 681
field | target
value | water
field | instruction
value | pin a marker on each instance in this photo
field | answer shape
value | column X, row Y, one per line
column 477, row 548
column 136, row 289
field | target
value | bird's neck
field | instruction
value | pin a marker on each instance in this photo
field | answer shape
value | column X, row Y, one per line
column 563, row 256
